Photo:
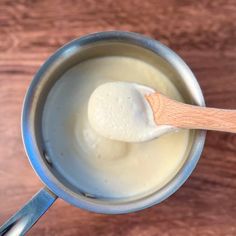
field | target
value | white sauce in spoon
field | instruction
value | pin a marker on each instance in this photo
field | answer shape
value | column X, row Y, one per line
column 120, row 111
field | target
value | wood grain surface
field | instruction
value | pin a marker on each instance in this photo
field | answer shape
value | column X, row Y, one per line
column 203, row 32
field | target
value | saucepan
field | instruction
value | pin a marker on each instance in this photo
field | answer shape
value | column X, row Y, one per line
column 56, row 185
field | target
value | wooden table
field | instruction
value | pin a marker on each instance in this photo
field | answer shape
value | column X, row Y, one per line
column 202, row 32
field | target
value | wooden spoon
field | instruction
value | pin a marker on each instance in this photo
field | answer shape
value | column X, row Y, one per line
column 169, row 112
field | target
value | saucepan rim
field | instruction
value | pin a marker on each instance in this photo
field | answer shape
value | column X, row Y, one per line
column 54, row 184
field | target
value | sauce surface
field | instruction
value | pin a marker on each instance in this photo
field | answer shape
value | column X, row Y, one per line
column 96, row 165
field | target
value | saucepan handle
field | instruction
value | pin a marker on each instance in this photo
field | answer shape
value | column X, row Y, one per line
column 28, row 215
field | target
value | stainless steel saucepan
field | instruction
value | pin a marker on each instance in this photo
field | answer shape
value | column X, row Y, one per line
column 56, row 185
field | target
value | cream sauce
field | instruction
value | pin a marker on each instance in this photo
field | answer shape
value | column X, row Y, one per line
column 94, row 164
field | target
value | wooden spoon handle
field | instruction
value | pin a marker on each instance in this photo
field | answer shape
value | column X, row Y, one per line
column 169, row 112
